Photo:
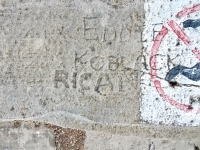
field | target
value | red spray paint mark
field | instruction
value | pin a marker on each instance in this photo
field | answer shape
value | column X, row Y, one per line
column 153, row 72
column 179, row 32
column 154, row 51
column 196, row 53
column 188, row 11
column 180, row 106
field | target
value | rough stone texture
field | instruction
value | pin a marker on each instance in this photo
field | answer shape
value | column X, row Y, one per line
column 25, row 135
column 141, row 130
column 30, row 135
column 81, row 57
column 68, row 139
column 77, row 64
column 101, row 140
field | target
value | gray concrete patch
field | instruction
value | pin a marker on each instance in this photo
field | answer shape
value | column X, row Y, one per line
column 81, row 57
column 15, row 136
column 102, row 140
column 33, row 135
column 78, row 65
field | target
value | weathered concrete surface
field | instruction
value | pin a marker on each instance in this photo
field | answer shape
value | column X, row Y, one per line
column 151, row 131
column 81, row 64
column 81, row 57
column 116, row 142
column 32, row 135
column 15, row 135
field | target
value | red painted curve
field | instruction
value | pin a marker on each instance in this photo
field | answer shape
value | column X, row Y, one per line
column 178, row 105
column 188, row 11
column 153, row 72
column 153, row 56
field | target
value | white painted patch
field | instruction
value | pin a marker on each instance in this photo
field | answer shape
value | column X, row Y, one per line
column 154, row 108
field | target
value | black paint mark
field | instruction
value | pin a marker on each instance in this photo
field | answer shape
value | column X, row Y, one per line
column 191, row 23
column 151, row 146
column 178, row 43
column 190, row 107
column 173, row 83
column 196, row 147
column 194, row 99
column 192, row 73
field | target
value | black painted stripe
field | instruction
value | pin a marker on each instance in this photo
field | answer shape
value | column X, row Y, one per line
column 191, row 23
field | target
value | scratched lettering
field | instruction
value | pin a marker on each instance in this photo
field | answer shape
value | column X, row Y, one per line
column 103, row 81
column 97, row 63
column 66, row 57
column 99, row 82
column 61, row 76
column 90, row 28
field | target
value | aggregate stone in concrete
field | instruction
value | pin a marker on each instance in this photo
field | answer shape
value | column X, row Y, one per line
column 80, row 57
column 31, row 135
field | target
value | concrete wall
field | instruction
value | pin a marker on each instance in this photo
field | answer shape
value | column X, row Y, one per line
column 99, row 74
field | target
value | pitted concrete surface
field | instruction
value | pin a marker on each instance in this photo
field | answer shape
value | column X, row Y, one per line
column 80, row 57
column 115, row 142
column 34, row 135
column 31, row 135
column 16, row 136
column 84, row 73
